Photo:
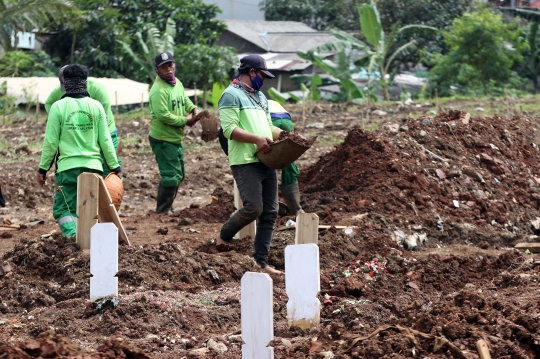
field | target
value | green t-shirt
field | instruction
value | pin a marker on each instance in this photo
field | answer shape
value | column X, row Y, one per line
column 77, row 130
column 169, row 106
column 238, row 109
column 96, row 91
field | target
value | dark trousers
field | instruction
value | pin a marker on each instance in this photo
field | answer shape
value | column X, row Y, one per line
column 258, row 189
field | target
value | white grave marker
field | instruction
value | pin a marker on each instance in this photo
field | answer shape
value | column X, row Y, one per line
column 302, row 283
column 103, row 260
column 251, row 228
column 257, row 315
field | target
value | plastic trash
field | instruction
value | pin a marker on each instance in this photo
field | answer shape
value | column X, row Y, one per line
column 290, row 223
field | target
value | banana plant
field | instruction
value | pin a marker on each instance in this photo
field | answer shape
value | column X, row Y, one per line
column 147, row 44
column 375, row 55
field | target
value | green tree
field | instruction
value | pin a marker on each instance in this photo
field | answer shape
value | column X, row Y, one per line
column 317, row 14
column 95, row 40
column 375, row 54
column 204, row 65
column 149, row 42
column 342, row 15
column 194, row 20
column 483, row 49
column 30, row 14
column 438, row 14
column 22, row 64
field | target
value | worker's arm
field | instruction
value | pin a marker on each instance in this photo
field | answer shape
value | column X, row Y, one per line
column 105, row 142
column 50, row 144
column 263, row 143
column 101, row 94
column 54, row 96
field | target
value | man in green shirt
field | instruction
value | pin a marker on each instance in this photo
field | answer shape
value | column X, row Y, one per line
column 171, row 110
column 246, row 124
column 76, row 131
column 97, row 92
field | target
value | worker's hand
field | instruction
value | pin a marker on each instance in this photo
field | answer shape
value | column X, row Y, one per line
column 191, row 120
column 195, row 112
column 263, row 144
column 42, row 179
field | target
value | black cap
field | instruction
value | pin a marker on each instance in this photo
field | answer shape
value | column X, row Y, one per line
column 255, row 62
column 163, row 58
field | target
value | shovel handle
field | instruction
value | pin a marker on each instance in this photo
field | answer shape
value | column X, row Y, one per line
column 483, row 350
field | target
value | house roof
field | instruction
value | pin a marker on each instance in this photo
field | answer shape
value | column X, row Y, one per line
column 283, row 61
column 278, row 36
column 121, row 91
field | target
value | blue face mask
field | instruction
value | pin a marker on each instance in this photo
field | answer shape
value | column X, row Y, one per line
column 257, row 82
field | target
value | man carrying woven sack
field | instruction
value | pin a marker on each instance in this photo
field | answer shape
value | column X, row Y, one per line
column 246, row 124
column 98, row 92
column 76, row 130
column 171, row 110
column 289, row 174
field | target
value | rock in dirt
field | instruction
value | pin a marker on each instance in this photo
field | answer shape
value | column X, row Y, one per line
column 216, row 346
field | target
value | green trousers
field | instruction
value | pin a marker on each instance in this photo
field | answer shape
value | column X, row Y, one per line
column 170, row 160
column 65, row 199
column 289, row 174
column 106, row 169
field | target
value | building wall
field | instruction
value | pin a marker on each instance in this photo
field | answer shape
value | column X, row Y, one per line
column 238, row 9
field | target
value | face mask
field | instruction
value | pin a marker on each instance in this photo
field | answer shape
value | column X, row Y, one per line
column 257, row 83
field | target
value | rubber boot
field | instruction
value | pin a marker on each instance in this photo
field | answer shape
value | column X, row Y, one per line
column 69, row 229
column 291, row 196
column 165, row 199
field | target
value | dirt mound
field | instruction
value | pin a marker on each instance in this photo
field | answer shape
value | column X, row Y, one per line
column 49, row 345
column 442, row 172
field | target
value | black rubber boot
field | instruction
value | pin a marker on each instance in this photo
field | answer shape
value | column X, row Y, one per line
column 291, row 196
column 165, row 199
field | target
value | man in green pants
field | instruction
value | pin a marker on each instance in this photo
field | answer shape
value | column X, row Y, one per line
column 171, row 110
column 97, row 92
column 289, row 175
column 76, row 131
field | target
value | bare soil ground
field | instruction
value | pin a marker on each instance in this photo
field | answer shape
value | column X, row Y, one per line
column 436, row 204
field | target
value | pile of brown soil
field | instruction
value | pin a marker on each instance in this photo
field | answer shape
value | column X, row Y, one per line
column 437, row 173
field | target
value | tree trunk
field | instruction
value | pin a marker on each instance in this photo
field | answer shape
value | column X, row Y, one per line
column 73, row 38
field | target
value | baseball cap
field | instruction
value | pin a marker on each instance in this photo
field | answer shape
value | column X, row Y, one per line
column 255, row 62
column 61, row 77
column 163, row 58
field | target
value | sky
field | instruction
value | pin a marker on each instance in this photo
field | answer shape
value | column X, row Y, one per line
column 238, row 9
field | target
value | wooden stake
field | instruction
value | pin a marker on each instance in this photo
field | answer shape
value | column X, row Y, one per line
column 87, row 207
column 195, row 94
column 303, row 111
column 142, row 106
column 37, row 106
column 5, row 103
column 437, row 100
column 307, row 228
column 107, row 211
column 250, row 229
